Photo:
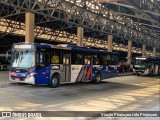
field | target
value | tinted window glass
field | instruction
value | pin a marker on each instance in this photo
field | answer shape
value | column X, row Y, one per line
column 56, row 57
column 77, row 58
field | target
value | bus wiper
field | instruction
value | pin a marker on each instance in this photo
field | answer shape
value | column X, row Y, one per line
column 16, row 55
column 23, row 55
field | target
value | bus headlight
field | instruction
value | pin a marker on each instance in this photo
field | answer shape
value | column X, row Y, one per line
column 147, row 71
column 31, row 74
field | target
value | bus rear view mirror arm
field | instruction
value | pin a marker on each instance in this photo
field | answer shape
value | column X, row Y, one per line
column 7, row 56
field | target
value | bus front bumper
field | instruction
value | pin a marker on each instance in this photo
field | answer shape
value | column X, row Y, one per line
column 29, row 80
column 140, row 72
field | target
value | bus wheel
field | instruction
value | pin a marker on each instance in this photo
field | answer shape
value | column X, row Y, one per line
column 98, row 78
column 4, row 68
column 54, row 81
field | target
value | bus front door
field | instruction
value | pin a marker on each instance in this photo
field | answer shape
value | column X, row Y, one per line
column 66, row 67
column 42, row 75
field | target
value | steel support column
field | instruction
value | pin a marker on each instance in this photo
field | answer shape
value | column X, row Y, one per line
column 129, row 52
column 110, row 41
column 80, row 36
column 29, row 27
column 143, row 50
column 154, row 51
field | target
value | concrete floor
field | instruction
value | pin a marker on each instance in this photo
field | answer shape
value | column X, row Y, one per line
column 129, row 93
column 4, row 76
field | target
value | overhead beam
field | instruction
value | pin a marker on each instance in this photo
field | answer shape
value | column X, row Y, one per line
column 75, row 18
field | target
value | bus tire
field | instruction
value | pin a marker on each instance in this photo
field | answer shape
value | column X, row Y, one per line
column 98, row 78
column 55, row 82
column 5, row 68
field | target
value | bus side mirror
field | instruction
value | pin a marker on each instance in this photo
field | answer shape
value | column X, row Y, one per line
column 8, row 57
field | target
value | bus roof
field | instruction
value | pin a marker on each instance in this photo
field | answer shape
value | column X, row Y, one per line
column 67, row 47
column 42, row 45
column 147, row 57
column 85, row 49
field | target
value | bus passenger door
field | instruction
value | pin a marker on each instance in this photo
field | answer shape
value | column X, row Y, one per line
column 66, row 67
column 42, row 75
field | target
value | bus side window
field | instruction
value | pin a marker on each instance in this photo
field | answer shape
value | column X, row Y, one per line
column 56, row 57
column 77, row 58
column 95, row 59
column 114, row 59
column 47, row 59
column 106, row 59
column 43, row 57
column 87, row 59
column 66, row 58
column 40, row 60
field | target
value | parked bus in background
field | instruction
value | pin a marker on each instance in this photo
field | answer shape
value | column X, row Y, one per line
column 52, row 65
column 4, row 64
column 146, row 65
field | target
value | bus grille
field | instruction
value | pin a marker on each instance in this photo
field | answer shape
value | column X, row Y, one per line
column 20, row 79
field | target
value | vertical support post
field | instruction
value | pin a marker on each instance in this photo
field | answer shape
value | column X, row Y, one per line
column 29, row 27
column 80, row 36
column 154, row 51
column 129, row 52
column 143, row 50
column 110, row 40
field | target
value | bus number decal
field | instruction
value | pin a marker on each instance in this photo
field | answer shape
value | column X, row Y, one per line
column 55, row 67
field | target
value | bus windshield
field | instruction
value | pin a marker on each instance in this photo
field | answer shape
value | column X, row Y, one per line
column 114, row 60
column 141, row 63
column 23, row 59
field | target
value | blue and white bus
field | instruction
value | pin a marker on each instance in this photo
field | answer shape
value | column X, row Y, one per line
column 33, row 63
column 146, row 65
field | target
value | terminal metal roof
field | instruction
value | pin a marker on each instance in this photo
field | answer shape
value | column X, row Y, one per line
column 136, row 20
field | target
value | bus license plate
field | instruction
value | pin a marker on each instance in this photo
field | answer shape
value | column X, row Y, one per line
column 17, row 79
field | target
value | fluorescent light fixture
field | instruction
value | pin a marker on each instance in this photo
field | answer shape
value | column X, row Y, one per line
column 140, row 58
